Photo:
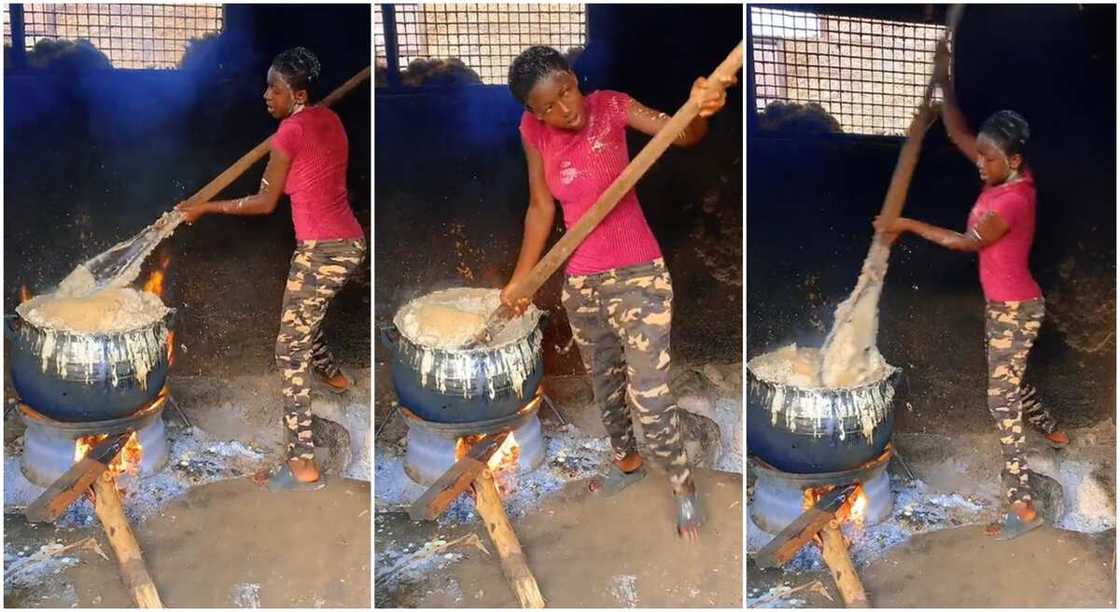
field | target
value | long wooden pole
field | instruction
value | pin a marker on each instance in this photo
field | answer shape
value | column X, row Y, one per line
column 514, row 565
column 229, row 175
column 622, row 185
column 109, row 509
column 835, row 554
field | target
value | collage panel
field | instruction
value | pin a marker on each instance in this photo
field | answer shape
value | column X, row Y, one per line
column 940, row 432
column 187, row 204
column 544, row 436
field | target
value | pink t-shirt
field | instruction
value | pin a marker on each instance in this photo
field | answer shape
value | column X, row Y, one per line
column 1004, row 272
column 316, row 143
column 579, row 166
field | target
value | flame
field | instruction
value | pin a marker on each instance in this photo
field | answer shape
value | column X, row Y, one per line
column 854, row 508
column 859, row 506
column 170, row 348
column 126, row 462
column 502, row 464
column 154, row 284
column 24, row 294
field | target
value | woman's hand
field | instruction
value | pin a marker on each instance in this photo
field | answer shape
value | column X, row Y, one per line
column 890, row 231
column 517, row 306
column 927, row 114
column 710, row 96
column 191, row 211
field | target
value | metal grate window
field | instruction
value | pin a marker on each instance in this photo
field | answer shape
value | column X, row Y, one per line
column 130, row 35
column 485, row 37
column 869, row 74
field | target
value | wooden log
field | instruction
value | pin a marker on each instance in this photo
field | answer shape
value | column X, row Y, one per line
column 835, row 553
column 130, row 561
column 76, row 481
column 804, row 528
column 514, row 566
column 455, row 480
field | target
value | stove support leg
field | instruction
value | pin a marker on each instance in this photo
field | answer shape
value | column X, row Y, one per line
column 835, row 553
column 107, row 504
column 489, row 505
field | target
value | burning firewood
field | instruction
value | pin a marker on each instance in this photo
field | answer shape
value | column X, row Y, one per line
column 98, row 460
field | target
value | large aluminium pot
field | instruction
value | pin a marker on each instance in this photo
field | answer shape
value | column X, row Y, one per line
column 78, row 377
column 807, row 431
column 464, row 386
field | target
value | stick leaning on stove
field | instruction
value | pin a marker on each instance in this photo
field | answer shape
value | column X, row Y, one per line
column 587, row 223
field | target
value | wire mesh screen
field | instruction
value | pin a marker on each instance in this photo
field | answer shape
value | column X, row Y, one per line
column 484, row 37
column 869, row 74
column 7, row 26
column 130, row 35
column 379, row 54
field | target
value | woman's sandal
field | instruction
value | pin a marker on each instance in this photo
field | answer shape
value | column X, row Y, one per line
column 1059, row 443
column 1012, row 526
column 282, row 479
column 613, row 480
column 689, row 518
column 332, row 387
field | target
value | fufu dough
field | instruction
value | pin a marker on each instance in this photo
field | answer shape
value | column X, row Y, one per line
column 450, row 318
column 801, row 367
column 443, row 322
column 105, row 311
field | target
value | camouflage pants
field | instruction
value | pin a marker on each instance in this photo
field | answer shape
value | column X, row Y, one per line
column 1011, row 329
column 319, row 270
column 621, row 320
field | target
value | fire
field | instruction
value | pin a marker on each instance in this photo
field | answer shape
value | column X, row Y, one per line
column 126, row 462
column 170, row 348
column 24, row 294
column 503, row 463
column 154, row 284
column 854, row 508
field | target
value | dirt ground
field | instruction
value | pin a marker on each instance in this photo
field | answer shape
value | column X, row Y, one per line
column 228, row 544
column 589, row 551
column 954, row 568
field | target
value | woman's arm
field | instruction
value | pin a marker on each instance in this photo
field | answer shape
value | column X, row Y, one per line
column 956, row 126
column 710, row 97
column 261, row 203
column 990, row 229
column 538, row 224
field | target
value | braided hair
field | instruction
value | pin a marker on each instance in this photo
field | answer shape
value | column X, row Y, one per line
column 299, row 67
column 1008, row 130
column 532, row 65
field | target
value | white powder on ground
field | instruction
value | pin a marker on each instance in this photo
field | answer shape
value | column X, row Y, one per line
column 106, row 311
column 448, row 319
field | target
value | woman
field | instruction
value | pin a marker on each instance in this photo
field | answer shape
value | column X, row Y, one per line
column 1001, row 229
column 308, row 162
column 618, row 293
